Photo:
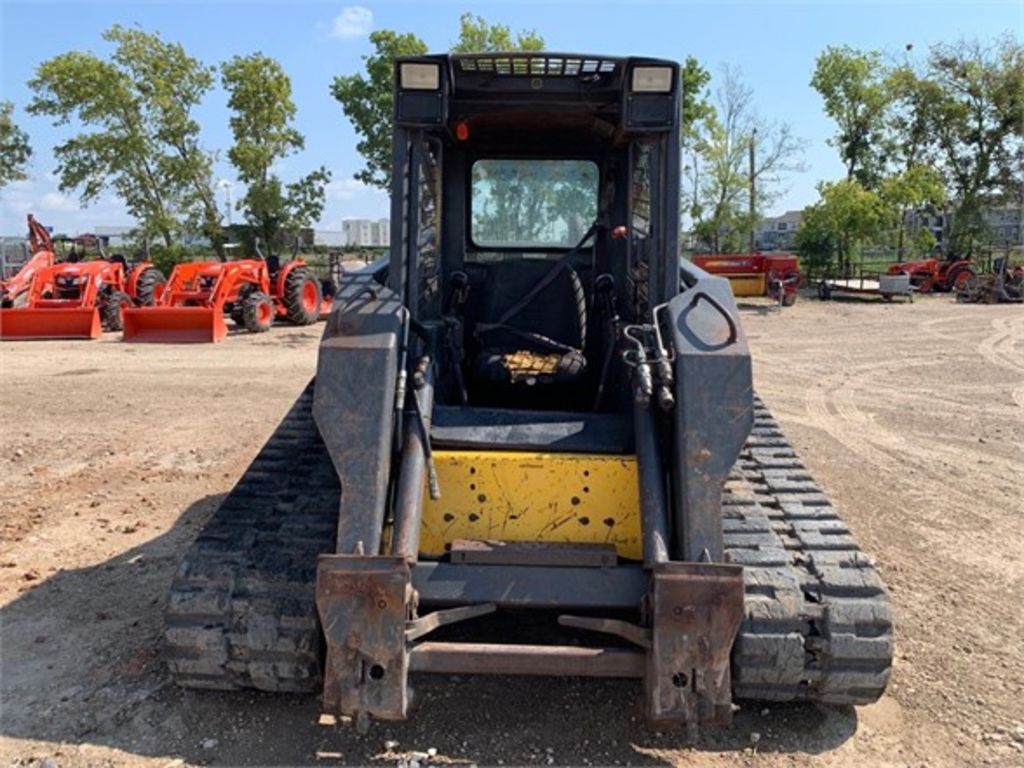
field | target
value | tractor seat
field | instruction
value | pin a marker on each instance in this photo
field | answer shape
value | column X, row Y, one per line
column 539, row 342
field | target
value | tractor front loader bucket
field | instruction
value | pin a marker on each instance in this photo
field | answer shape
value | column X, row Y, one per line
column 51, row 323
column 174, row 325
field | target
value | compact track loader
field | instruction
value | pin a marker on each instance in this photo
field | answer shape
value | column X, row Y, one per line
column 532, row 446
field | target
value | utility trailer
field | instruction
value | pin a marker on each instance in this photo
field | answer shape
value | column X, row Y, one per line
column 888, row 286
column 532, row 445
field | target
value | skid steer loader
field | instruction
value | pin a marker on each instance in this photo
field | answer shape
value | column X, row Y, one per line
column 532, row 446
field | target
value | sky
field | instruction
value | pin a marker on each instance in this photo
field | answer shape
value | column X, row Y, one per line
column 773, row 44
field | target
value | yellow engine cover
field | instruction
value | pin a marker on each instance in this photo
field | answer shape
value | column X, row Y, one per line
column 518, row 496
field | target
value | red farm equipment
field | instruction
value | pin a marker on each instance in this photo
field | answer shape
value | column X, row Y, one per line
column 14, row 290
column 199, row 295
column 73, row 299
column 756, row 274
column 929, row 275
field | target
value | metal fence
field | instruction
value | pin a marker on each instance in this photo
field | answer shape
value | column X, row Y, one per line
column 871, row 263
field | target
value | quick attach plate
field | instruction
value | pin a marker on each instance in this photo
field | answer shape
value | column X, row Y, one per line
column 364, row 603
column 695, row 613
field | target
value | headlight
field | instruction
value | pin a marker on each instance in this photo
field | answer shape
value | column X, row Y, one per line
column 419, row 77
column 652, row 79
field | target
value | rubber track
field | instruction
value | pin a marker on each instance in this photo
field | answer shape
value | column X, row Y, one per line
column 242, row 611
column 818, row 625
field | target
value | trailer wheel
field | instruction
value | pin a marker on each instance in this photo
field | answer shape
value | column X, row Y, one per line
column 302, row 297
column 788, row 299
column 824, row 291
column 149, row 286
column 257, row 312
column 112, row 310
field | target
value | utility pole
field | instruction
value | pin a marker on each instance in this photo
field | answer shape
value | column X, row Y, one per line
column 226, row 186
column 753, row 221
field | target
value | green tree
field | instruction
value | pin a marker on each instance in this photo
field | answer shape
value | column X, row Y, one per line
column 918, row 188
column 138, row 136
column 720, row 173
column 367, row 98
column 854, row 88
column 696, row 104
column 846, row 217
column 973, row 98
column 262, row 110
column 14, row 147
column 476, row 35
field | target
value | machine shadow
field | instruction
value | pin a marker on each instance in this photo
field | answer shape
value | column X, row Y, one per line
column 81, row 668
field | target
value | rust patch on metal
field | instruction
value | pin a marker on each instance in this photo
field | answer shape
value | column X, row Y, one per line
column 364, row 603
column 695, row 610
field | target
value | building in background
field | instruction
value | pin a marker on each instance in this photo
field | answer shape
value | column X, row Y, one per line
column 778, row 233
column 367, row 232
column 329, row 238
column 1005, row 224
column 114, row 237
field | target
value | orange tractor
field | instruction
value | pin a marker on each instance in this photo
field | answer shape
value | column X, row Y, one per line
column 929, row 275
column 252, row 292
column 72, row 299
column 13, row 290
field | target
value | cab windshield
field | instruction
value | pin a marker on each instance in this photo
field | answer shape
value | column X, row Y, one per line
column 532, row 203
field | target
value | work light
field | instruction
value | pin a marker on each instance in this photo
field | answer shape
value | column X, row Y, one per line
column 419, row 76
column 652, row 79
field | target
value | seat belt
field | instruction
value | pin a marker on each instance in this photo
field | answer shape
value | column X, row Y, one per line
column 502, row 322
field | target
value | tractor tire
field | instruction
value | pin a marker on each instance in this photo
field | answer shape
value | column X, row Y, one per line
column 302, row 297
column 148, row 287
column 111, row 309
column 958, row 281
column 257, row 312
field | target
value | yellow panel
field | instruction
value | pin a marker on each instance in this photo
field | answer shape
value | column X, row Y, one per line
column 747, row 285
column 515, row 496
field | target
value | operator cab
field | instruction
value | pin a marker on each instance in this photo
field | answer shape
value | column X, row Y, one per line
column 531, row 218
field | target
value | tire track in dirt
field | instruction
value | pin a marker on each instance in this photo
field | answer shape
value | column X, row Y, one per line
column 999, row 348
column 1005, row 348
column 833, row 407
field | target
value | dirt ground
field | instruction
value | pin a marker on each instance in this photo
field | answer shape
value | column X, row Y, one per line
column 113, row 455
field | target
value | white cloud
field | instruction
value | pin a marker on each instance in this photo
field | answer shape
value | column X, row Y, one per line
column 348, row 198
column 349, row 189
column 353, row 21
column 40, row 195
column 55, row 202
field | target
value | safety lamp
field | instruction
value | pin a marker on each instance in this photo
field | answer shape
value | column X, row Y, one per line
column 652, row 79
column 418, row 76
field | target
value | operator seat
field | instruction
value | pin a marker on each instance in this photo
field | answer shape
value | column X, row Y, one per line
column 528, row 336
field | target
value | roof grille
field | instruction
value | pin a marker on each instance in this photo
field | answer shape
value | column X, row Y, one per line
column 566, row 66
